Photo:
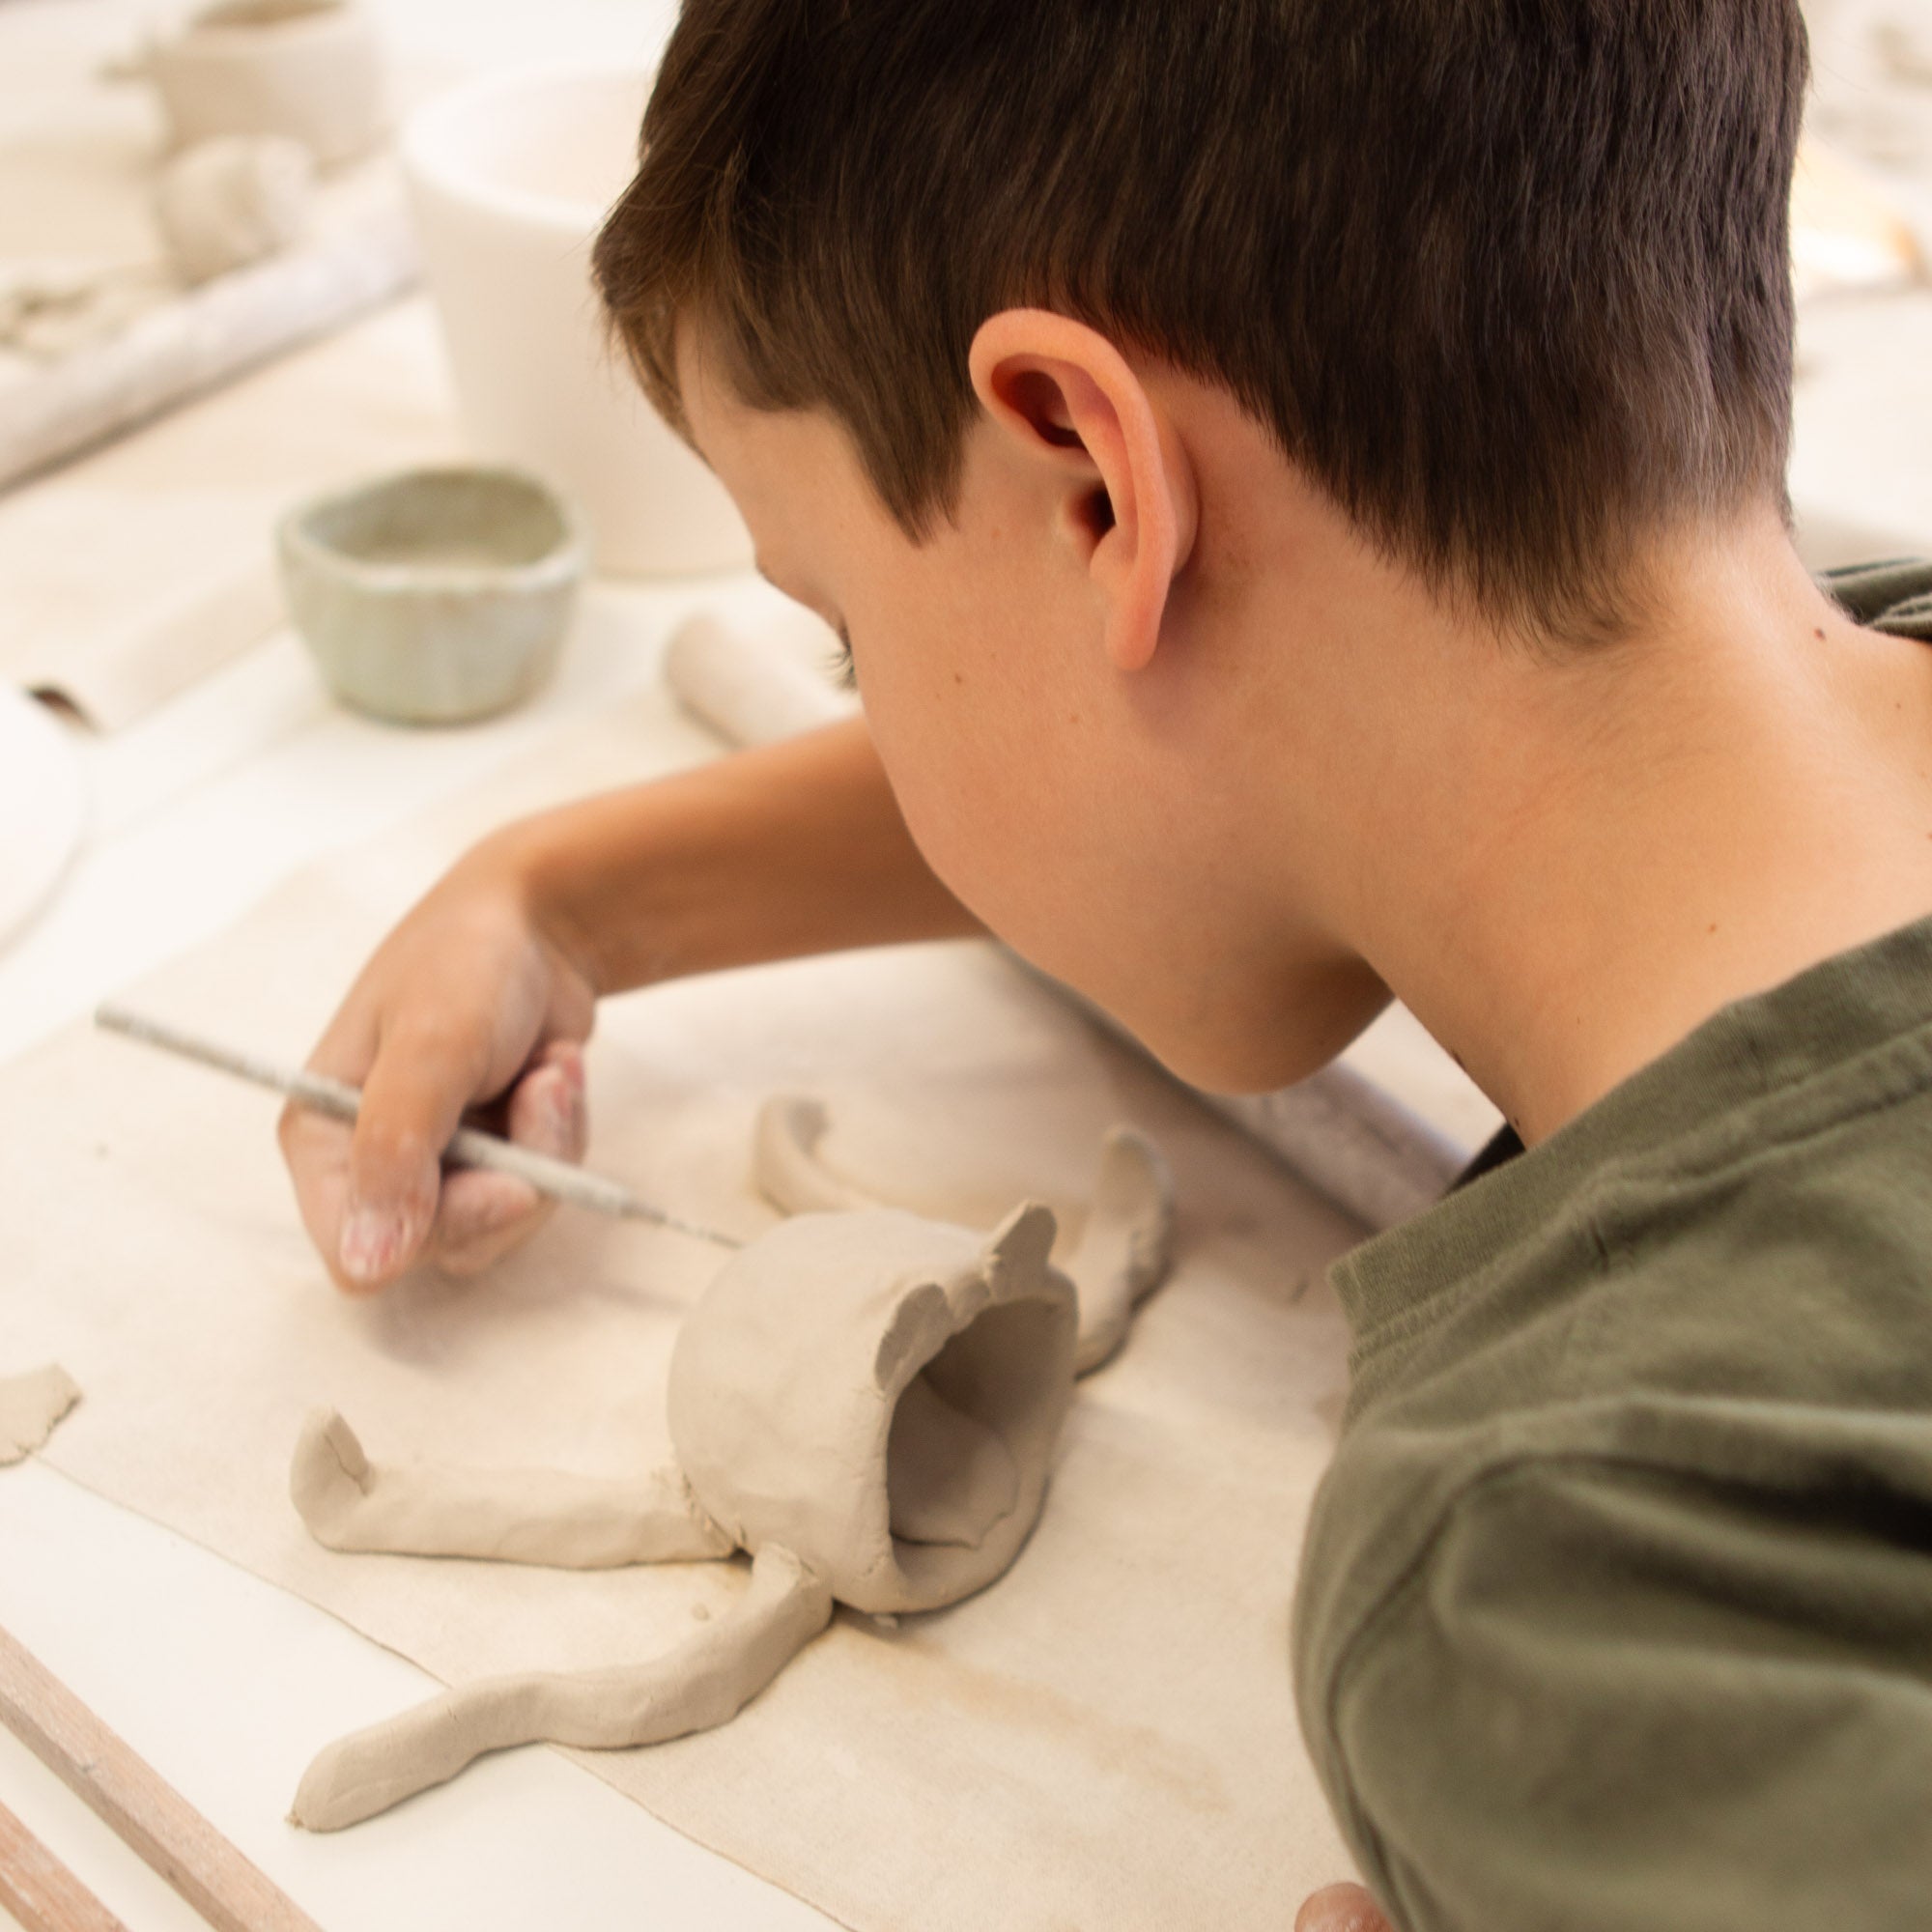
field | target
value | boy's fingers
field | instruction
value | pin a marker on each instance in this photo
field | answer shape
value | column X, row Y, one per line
column 547, row 1106
column 375, row 1199
column 412, row 1100
column 1341, row 1908
column 483, row 1215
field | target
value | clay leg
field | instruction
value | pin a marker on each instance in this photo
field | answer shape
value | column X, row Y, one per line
column 785, row 1162
column 1126, row 1246
column 703, row 1683
column 515, row 1516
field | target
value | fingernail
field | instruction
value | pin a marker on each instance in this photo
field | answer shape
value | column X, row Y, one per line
column 371, row 1238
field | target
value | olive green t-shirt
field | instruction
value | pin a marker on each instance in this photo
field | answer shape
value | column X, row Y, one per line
column 1617, row 1601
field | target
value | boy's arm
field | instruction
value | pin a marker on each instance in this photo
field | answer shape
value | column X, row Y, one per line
column 794, row 848
column 484, row 993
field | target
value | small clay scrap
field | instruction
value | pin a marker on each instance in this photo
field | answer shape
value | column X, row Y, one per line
column 865, row 1401
column 31, row 1407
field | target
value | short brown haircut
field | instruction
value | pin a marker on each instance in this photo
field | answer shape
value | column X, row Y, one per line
column 1508, row 278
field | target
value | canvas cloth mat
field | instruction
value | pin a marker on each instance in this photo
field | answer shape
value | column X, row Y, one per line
column 1105, row 1737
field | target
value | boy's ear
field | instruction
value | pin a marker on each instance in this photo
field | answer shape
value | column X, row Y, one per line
column 1068, row 397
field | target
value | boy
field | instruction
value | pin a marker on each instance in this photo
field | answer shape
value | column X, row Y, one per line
column 1301, row 484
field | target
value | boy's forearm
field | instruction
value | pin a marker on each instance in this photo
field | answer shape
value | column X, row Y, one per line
column 792, row 848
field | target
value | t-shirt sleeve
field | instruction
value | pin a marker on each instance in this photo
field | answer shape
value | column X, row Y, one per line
column 1618, row 1698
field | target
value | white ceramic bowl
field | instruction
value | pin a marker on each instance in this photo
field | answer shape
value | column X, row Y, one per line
column 511, row 176
column 435, row 596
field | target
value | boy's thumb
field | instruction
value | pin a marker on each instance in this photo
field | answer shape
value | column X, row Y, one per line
column 410, row 1110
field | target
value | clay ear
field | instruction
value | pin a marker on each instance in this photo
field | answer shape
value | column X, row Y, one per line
column 1022, row 1242
column 917, row 1333
column 787, row 1165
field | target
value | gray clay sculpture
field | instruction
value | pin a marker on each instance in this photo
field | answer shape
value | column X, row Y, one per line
column 865, row 1401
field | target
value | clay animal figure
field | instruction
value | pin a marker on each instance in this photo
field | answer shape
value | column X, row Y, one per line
column 865, row 1401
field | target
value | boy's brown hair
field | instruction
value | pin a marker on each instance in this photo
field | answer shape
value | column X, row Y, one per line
column 1508, row 278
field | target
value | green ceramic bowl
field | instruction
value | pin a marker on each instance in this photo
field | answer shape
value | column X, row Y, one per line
column 434, row 596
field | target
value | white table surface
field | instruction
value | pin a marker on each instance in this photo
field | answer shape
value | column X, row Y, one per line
column 223, row 1683
column 227, row 1685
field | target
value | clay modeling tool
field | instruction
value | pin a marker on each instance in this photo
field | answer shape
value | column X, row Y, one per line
column 39, row 1891
column 472, row 1147
column 145, row 1812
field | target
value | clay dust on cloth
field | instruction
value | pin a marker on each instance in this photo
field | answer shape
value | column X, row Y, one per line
column 1105, row 1737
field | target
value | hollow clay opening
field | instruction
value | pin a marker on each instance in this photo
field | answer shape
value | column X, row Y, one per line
column 967, row 1425
column 448, row 520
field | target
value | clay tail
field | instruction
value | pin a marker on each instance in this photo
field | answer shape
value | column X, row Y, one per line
column 702, row 1684
column 709, row 1678
column 1127, row 1247
column 371, row 1770
column 785, row 1163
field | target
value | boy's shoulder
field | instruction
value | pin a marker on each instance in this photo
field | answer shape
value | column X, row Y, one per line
column 1651, row 1393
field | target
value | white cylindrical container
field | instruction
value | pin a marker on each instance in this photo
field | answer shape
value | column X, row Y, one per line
column 511, row 176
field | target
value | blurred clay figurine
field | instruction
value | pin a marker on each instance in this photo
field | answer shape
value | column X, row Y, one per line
column 222, row 205
column 234, row 200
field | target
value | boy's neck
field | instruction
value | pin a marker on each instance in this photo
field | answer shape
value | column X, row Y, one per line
column 1563, row 866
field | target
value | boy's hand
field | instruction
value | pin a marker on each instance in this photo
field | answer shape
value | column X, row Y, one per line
column 481, row 997
column 467, row 1004
column 1341, row 1908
